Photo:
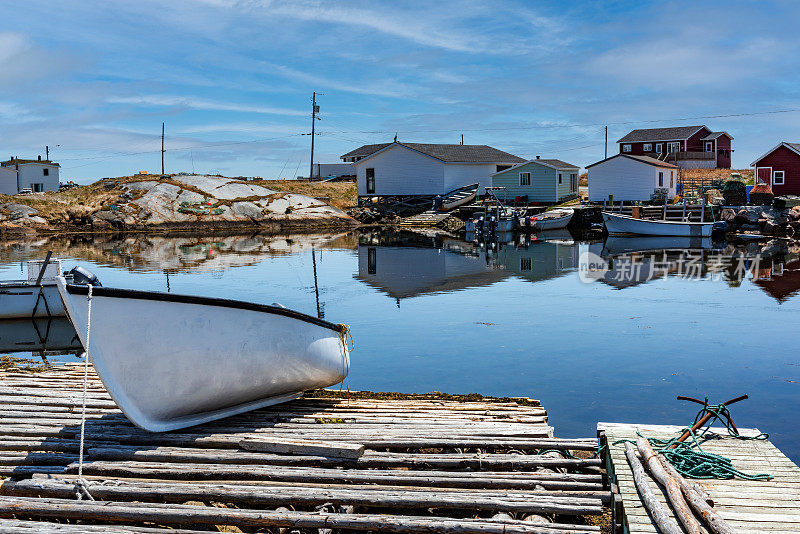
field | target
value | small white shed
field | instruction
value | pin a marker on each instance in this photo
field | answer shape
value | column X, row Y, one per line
column 38, row 175
column 625, row 177
column 427, row 169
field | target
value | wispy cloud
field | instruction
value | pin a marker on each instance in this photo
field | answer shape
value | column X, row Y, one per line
column 200, row 104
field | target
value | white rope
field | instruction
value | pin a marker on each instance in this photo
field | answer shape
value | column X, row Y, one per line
column 81, row 486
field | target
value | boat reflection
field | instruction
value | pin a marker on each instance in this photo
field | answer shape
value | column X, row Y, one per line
column 54, row 334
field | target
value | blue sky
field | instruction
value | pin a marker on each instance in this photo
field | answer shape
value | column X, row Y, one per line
column 233, row 79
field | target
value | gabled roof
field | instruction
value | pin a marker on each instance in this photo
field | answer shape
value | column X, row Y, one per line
column 644, row 159
column 450, row 153
column 714, row 135
column 661, row 134
column 364, row 151
column 10, row 162
column 552, row 163
column 794, row 147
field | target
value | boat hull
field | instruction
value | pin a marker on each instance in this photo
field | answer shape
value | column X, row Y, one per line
column 623, row 225
column 552, row 223
column 19, row 300
column 172, row 361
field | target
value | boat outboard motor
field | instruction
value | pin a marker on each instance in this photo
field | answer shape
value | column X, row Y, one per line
column 83, row 277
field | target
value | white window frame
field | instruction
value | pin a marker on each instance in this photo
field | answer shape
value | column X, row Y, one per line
column 659, row 148
column 775, row 177
column 660, row 178
column 647, row 147
column 573, row 181
column 525, row 177
column 756, row 179
column 709, row 146
column 626, row 148
column 674, row 147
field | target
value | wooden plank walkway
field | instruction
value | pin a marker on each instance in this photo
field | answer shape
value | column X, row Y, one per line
column 765, row 507
column 427, row 219
column 431, row 464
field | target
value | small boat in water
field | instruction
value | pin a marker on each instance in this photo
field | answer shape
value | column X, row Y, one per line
column 173, row 361
column 459, row 197
column 549, row 220
column 35, row 297
column 618, row 224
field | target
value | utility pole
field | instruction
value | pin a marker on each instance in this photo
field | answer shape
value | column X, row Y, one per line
column 162, row 148
column 314, row 111
column 606, row 153
column 47, row 152
column 462, row 139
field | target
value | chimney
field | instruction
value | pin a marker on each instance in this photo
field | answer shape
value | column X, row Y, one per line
column 40, row 157
column 537, row 157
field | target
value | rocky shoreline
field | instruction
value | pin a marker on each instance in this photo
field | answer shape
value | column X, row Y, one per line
column 168, row 204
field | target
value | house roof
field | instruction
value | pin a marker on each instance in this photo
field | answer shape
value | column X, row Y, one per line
column 366, row 150
column 644, row 159
column 714, row 135
column 447, row 153
column 10, row 162
column 660, row 134
column 794, row 147
column 552, row 163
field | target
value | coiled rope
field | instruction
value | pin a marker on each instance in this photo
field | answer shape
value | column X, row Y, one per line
column 344, row 335
column 81, row 486
column 689, row 458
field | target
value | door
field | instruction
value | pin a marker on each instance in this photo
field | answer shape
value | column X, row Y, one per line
column 370, row 180
column 764, row 175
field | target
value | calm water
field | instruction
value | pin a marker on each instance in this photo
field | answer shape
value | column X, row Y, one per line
column 509, row 319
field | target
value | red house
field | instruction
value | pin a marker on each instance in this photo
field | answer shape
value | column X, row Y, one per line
column 688, row 147
column 780, row 168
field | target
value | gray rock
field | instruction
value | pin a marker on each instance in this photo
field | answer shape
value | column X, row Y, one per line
column 248, row 209
column 18, row 211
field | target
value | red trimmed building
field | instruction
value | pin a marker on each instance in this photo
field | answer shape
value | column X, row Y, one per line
column 688, row 147
column 780, row 169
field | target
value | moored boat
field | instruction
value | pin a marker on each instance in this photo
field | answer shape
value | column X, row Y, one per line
column 617, row 224
column 459, row 197
column 35, row 297
column 172, row 361
column 549, row 220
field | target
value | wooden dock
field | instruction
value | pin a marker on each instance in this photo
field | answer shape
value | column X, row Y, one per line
column 427, row 219
column 764, row 507
column 432, row 463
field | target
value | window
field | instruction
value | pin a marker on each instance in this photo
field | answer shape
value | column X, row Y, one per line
column 370, row 180
column 502, row 167
column 524, row 178
column 37, row 188
column 648, row 147
column 524, row 264
column 46, row 172
column 709, row 146
column 674, row 147
column 777, row 177
column 659, row 148
column 372, row 261
column 626, row 148
column 671, row 179
column 660, row 179
column 560, row 178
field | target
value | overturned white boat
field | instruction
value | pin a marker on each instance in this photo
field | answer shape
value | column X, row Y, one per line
column 172, row 361
column 617, row 224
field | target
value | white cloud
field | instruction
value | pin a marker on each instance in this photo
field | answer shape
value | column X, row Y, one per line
column 200, row 104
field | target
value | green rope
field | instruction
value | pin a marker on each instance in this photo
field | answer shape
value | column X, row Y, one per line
column 689, row 458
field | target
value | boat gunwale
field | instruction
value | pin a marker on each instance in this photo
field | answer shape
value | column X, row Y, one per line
column 660, row 221
column 113, row 292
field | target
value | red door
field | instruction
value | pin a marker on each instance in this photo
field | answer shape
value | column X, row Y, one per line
column 765, row 175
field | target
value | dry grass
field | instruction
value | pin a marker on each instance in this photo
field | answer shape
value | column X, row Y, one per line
column 342, row 195
column 714, row 174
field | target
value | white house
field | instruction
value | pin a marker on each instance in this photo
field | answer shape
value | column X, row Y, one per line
column 625, row 177
column 425, row 169
column 38, row 175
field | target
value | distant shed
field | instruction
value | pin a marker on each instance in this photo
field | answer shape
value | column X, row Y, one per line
column 780, row 169
column 541, row 180
column 623, row 177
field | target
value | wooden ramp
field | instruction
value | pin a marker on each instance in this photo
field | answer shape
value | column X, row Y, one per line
column 426, row 219
column 765, row 507
column 433, row 463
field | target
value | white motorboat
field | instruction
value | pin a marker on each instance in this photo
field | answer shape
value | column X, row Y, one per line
column 173, row 361
column 34, row 297
column 550, row 220
column 617, row 224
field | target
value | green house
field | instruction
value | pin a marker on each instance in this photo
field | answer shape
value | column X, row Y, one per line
column 541, row 180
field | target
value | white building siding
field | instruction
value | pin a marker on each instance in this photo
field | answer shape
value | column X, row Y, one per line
column 460, row 174
column 8, row 181
column 333, row 169
column 627, row 179
column 31, row 174
column 401, row 171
